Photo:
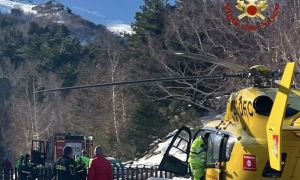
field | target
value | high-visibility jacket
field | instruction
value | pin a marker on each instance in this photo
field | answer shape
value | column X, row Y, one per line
column 85, row 160
column 197, row 151
column 197, row 158
column 82, row 163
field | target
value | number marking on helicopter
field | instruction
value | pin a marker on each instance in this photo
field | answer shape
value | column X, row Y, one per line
column 244, row 107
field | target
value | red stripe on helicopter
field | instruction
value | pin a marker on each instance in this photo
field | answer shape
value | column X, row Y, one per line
column 275, row 147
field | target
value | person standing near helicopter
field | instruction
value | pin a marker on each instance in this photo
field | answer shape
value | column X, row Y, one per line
column 197, row 157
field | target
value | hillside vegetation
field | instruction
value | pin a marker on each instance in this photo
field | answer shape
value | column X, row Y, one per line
column 36, row 54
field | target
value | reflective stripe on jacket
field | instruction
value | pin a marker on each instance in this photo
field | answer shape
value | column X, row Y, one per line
column 65, row 169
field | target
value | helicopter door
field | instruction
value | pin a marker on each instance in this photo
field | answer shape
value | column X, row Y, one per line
column 175, row 159
column 216, row 156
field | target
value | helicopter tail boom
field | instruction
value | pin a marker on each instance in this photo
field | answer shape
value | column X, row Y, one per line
column 274, row 125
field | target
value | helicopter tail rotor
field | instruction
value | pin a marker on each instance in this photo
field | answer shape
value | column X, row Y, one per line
column 274, row 125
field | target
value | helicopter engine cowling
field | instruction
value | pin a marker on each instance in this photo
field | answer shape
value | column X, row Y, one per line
column 252, row 107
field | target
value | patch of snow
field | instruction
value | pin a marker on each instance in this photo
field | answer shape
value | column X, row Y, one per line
column 120, row 28
column 155, row 156
column 174, row 178
column 26, row 8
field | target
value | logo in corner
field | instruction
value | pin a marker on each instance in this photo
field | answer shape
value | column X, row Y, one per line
column 254, row 10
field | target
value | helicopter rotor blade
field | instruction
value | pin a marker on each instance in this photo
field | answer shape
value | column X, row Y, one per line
column 222, row 62
column 137, row 82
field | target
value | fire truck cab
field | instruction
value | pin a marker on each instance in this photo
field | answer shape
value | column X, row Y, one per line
column 47, row 152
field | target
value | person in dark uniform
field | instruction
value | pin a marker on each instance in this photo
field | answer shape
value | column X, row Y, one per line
column 65, row 167
column 26, row 168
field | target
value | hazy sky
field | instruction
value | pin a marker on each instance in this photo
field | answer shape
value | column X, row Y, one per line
column 105, row 11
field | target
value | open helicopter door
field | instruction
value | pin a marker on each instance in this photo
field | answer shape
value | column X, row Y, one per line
column 274, row 125
column 218, row 146
column 176, row 157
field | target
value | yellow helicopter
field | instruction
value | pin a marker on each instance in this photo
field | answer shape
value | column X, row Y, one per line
column 259, row 136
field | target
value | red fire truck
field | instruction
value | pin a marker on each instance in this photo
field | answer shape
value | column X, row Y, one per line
column 47, row 152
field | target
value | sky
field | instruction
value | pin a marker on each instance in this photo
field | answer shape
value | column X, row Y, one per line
column 105, row 12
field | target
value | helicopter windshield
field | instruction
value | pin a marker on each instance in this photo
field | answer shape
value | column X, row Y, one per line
column 293, row 106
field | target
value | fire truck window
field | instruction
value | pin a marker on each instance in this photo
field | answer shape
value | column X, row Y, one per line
column 37, row 146
column 229, row 146
column 213, row 149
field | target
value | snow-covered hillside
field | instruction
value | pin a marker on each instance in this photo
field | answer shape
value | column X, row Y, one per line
column 120, row 28
column 56, row 12
column 26, row 8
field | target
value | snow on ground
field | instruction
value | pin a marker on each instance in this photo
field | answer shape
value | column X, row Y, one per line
column 120, row 28
column 175, row 178
column 155, row 156
column 26, row 8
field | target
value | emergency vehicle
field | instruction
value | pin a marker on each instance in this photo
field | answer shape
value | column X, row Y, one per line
column 47, row 152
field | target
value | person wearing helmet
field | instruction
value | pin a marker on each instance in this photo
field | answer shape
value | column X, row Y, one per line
column 26, row 168
column 197, row 158
column 82, row 163
column 65, row 167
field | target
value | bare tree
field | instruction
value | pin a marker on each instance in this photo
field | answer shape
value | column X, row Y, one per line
column 201, row 27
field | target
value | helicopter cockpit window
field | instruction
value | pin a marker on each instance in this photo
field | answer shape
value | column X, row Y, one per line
column 213, row 149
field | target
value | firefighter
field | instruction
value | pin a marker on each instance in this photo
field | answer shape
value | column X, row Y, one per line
column 197, row 158
column 65, row 167
column 82, row 163
column 26, row 168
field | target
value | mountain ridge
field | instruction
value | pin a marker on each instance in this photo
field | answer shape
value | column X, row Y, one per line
column 54, row 12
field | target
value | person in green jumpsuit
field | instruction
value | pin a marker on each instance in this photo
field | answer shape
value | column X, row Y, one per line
column 197, row 158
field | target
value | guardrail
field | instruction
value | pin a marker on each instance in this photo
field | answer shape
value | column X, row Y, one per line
column 124, row 173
